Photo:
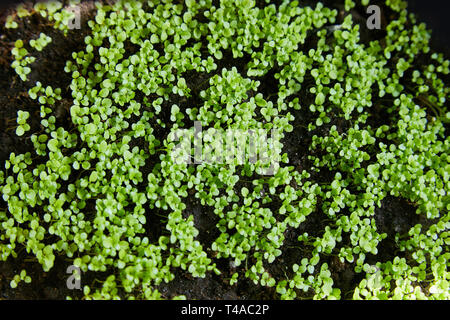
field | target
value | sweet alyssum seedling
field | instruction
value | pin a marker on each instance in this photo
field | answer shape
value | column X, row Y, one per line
column 23, row 126
column 90, row 191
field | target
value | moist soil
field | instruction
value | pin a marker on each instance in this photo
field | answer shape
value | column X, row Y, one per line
column 394, row 215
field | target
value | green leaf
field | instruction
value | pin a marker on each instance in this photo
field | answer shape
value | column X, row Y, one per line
column 20, row 131
column 129, row 24
column 320, row 99
column 91, row 128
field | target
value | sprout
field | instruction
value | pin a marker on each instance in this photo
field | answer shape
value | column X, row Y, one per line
column 40, row 43
column 23, row 127
column 20, row 277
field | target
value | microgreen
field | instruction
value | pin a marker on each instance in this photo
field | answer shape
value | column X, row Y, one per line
column 370, row 118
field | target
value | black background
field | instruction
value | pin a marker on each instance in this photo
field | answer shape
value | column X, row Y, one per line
column 436, row 14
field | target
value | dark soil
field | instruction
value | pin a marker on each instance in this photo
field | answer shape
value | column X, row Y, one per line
column 394, row 216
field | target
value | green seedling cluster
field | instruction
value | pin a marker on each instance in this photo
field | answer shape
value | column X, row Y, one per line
column 100, row 184
column 21, row 60
column 52, row 10
column 40, row 43
column 55, row 13
column 20, row 277
column 58, row 15
column 20, row 12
